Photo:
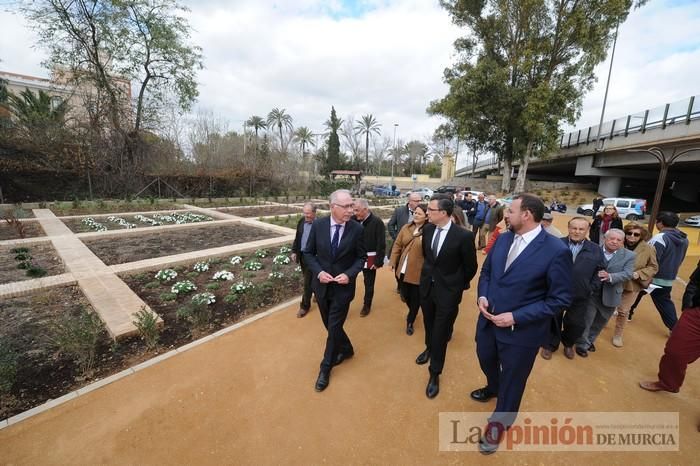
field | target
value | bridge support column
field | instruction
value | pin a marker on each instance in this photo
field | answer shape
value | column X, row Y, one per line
column 686, row 191
column 609, row 186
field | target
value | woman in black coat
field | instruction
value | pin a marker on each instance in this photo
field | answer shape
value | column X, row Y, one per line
column 607, row 219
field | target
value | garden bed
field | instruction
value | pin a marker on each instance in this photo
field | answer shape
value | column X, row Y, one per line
column 26, row 262
column 31, row 230
column 131, row 248
column 16, row 211
column 126, row 222
column 260, row 211
column 62, row 209
column 31, row 326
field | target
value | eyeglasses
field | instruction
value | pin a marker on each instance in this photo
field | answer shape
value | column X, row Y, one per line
column 633, row 233
column 346, row 206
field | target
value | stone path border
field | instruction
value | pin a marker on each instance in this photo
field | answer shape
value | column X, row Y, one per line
column 111, row 298
column 15, row 289
column 132, row 370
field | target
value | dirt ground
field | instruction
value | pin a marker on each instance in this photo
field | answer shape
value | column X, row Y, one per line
column 77, row 226
column 165, row 243
column 31, row 230
column 43, row 255
column 248, row 397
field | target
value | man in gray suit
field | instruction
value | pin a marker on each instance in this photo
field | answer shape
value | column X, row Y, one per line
column 619, row 269
column 403, row 215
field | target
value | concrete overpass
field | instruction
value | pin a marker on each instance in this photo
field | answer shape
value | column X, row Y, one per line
column 605, row 156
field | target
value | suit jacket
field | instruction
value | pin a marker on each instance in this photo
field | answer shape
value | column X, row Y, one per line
column 398, row 219
column 620, row 267
column 296, row 245
column 536, row 286
column 374, row 235
column 589, row 261
column 349, row 259
column 453, row 268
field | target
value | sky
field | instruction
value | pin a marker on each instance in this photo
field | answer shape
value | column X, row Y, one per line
column 384, row 57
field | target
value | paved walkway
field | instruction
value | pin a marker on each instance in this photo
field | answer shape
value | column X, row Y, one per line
column 111, row 298
column 248, row 398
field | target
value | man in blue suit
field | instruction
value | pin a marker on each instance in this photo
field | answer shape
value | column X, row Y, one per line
column 525, row 281
column 335, row 254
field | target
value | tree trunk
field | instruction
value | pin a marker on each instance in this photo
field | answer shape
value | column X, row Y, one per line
column 474, row 160
column 505, row 183
column 522, row 171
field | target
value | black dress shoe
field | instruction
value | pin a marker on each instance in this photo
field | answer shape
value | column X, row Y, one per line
column 482, row 394
column 581, row 352
column 489, row 442
column 591, row 349
column 342, row 357
column 423, row 358
column 322, row 381
column 433, row 387
column 409, row 329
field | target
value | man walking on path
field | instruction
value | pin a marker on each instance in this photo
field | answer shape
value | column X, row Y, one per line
column 374, row 235
column 300, row 240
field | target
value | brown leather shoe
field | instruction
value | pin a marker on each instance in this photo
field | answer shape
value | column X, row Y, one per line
column 546, row 354
column 365, row 311
column 569, row 352
column 655, row 386
column 302, row 312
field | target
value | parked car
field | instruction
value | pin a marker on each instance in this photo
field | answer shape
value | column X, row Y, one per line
column 425, row 193
column 386, row 191
column 447, row 189
column 693, row 221
column 627, row 207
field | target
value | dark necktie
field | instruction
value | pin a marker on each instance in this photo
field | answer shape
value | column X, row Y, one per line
column 436, row 241
column 335, row 240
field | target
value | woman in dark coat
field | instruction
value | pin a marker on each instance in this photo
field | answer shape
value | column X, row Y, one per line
column 607, row 219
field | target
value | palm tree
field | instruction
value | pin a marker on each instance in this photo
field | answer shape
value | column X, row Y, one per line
column 368, row 124
column 257, row 123
column 36, row 112
column 305, row 137
column 279, row 118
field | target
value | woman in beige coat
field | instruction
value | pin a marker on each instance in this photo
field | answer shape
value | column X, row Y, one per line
column 645, row 267
column 407, row 261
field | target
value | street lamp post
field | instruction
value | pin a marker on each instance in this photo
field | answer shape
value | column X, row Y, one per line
column 607, row 86
column 393, row 156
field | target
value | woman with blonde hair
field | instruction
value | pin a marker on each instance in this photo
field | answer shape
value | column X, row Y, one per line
column 645, row 267
column 407, row 261
column 604, row 221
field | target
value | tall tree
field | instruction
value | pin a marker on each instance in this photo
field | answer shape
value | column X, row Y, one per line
column 305, row 137
column 333, row 124
column 37, row 116
column 524, row 66
column 280, row 119
column 351, row 140
column 365, row 126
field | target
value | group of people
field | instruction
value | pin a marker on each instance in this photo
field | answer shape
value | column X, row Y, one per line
column 535, row 289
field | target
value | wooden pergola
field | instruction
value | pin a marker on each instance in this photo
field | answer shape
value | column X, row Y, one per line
column 355, row 175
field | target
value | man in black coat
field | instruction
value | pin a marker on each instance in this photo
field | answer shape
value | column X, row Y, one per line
column 468, row 205
column 375, row 245
column 300, row 240
column 335, row 253
column 570, row 324
column 450, row 264
column 403, row 215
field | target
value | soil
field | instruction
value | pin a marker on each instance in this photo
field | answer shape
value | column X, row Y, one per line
column 165, row 243
column 260, row 211
column 77, row 226
column 65, row 209
column 43, row 373
column 43, row 255
column 31, row 230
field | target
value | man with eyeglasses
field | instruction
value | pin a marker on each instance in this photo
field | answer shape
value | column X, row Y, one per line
column 335, row 253
column 449, row 266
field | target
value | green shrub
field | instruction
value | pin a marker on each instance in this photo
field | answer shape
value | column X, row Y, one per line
column 167, row 296
column 24, row 265
column 152, row 285
column 42, row 205
column 77, row 337
column 196, row 316
column 231, row 298
column 23, row 256
column 147, row 323
column 100, row 203
column 192, row 275
column 8, row 367
column 21, row 250
column 140, row 276
column 76, row 203
column 179, row 268
column 35, row 271
column 213, row 286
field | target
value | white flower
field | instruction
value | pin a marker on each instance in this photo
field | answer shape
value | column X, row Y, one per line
column 166, row 275
column 285, row 250
column 297, row 269
column 201, row 266
column 223, row 275
column 241, row 287
column 235, row 260
column 261, row 253
column 203, row 298
column 185, row 286
column 281, row 259
column 93, row 225
column 253, row 265
column 276, row 275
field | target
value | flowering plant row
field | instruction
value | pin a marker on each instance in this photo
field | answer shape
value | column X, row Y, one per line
column 93, row 225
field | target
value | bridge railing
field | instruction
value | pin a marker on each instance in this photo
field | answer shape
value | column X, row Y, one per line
column 675, row 113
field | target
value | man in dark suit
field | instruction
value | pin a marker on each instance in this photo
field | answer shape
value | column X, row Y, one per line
column 335, row 254
column 524, row 282
column 300, row 240
column 450, row 263
column 374, row 236
column 569, row 324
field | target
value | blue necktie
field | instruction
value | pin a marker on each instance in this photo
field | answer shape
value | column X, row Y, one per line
column 335, row 240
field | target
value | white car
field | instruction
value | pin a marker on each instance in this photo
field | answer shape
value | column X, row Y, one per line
column 425, row 193
column 693, row 221
column 627, row 208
